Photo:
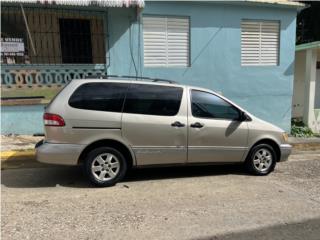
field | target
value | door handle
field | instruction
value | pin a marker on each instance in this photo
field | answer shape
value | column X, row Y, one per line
column 177, row 124
column 197, row 125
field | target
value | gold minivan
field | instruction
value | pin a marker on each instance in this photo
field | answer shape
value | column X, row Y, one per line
column 109, row 125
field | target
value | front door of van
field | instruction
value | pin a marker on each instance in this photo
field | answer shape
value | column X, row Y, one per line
column 154, row 123
column 215, row 133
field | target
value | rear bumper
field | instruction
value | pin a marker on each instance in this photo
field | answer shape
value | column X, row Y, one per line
column 285, row 151
column 62, row 154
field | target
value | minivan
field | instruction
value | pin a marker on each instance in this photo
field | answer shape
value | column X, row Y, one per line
column 110, row 125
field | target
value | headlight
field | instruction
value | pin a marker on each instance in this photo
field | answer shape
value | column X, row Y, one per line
column 285, row 137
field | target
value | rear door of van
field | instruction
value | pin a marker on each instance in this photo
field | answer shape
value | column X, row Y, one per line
column 154, row 123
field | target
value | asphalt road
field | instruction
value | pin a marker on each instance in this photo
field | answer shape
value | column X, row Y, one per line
column 219, row 202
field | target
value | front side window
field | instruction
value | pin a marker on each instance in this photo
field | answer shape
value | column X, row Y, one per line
column 153, row 100
column 99, row 96
column 207, row 105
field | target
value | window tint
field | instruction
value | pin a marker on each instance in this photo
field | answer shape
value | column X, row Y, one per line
column 99, row 96
column 153, row 100
column 207, row 105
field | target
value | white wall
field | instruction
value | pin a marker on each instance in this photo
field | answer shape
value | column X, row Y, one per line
column 317, row 97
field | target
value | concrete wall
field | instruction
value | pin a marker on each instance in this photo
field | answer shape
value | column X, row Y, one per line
column 23, row 119
column 306, row 98
column 317, row 96
column 215, row 54
column 299, row 84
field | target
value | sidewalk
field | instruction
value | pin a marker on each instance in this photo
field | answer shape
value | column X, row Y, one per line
column 18, row 142
column 305, row 144
column 18, row 150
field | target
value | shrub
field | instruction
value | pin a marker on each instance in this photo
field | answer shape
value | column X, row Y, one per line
column 299, row 129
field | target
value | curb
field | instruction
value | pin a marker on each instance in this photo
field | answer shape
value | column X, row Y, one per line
column 17, row 154
column 307, row 146
column 15, row 159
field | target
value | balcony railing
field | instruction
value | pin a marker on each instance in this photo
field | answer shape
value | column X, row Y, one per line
column 46, row 75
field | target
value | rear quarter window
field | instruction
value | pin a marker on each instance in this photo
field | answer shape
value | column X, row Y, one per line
column 99, row 96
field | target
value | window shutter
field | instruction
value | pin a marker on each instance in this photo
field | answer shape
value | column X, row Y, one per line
column 269, row 43
column 166, row 41
column 178, row 41
column 155, row 38
column 259, row 43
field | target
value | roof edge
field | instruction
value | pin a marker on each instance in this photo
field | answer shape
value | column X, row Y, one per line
column 306, row 46
column 82, row 3
column 293, row 4
column 275, row 3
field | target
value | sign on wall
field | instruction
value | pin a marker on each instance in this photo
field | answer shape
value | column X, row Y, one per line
column 12, row 47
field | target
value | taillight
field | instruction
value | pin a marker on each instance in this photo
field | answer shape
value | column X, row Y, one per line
column 53, row 120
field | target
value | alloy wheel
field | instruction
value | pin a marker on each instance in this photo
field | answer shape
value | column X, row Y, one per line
column 262, row 160
column 105, row 166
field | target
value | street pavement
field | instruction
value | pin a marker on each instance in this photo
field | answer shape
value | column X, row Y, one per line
column 216, row 202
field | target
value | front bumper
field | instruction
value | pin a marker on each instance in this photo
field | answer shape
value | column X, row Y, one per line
column 285, row 151
column 62, row 154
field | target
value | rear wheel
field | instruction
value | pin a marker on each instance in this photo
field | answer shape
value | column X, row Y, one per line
column 261, row 160
column 105, row 166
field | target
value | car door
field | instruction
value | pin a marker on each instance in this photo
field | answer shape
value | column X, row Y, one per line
column 215, row 133
column 154, row 122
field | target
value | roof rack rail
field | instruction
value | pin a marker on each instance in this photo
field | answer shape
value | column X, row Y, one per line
column 99, row 76
column 131, row 77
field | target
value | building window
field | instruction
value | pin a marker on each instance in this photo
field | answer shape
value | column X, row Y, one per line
column 166, row 41
column 75, row 39
column 53, row 36
column 260, row 43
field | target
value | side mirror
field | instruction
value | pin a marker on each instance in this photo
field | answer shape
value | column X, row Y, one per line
column 244, row 117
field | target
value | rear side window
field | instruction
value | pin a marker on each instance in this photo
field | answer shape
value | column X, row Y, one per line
column 99, row 96
column 153, row 100
column 207, row 105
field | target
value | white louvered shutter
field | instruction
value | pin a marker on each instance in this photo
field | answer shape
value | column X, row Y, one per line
column 259, row 43
column 155, row 41
column 166, row 41
column 178, row 41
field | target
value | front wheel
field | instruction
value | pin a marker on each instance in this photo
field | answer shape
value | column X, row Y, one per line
column 105, row 166
column 261, row 160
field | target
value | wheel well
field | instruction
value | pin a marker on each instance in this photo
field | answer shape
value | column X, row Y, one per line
column 272, row 143
column 108, row 143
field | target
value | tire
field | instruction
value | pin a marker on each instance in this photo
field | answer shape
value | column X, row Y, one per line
column 261, row 160
column 105, row 166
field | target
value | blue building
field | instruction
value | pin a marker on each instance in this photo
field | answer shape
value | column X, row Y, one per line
column 244, row 50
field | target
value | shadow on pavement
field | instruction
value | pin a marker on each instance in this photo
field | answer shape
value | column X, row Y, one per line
column 74, row 177
column 309, row 229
